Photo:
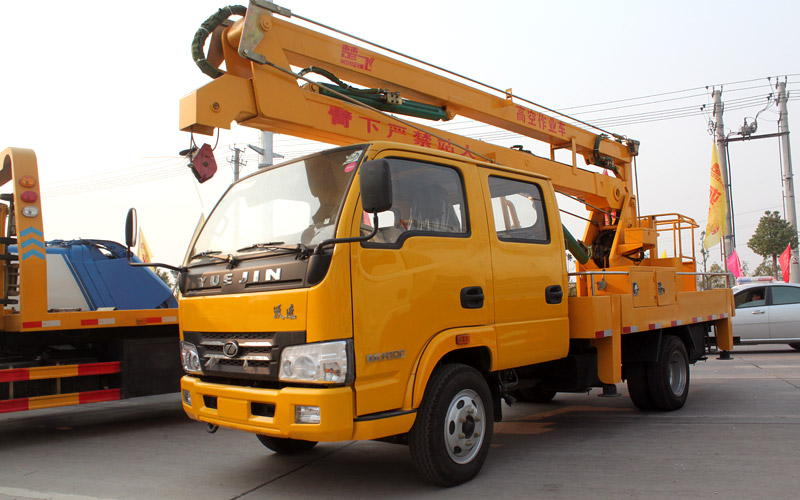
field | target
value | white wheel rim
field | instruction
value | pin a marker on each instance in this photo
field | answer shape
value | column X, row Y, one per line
column 464, row 426
column 677, row 373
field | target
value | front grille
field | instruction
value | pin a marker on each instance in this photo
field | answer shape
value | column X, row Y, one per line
column 238, row 336
column 247, row 355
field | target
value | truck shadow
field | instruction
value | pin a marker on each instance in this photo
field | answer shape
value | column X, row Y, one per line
column 366, row 468
column 94, row 420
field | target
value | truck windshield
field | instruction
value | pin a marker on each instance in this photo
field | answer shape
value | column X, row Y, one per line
column 297, row 202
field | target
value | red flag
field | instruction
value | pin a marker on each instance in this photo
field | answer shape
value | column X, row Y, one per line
column 734, row 266
column 785, row 261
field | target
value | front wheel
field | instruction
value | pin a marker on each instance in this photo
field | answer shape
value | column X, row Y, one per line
column 451, row 435
column 286, row 446
column 668, row 378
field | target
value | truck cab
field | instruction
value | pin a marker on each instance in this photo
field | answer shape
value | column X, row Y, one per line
column 467, row 264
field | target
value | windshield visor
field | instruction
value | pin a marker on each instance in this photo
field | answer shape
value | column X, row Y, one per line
column 293, row 203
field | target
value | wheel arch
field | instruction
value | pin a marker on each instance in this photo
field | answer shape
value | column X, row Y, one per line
column 693, row 338
column 443, row 348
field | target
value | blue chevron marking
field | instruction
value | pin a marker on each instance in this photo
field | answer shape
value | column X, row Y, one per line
column 32, row 241
column 33, row 253
column 29, row 230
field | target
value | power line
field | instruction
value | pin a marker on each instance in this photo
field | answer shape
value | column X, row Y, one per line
column 292, row 147
column 706, row 87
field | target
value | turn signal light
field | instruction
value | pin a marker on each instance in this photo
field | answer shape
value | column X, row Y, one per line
column 27, row 181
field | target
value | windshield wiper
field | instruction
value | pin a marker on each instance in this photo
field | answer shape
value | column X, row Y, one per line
column 230, row 259
column 262, row 246
column 300, row 249
column 209, row 253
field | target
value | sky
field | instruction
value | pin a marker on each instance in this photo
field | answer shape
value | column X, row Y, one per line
column 93, row 89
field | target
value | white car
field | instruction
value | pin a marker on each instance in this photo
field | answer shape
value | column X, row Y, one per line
column 767, row 313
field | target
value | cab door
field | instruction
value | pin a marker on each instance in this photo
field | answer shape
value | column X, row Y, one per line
column 408, row 281
column 528, row 269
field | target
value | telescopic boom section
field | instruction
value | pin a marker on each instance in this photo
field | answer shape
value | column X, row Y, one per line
column 260, row 91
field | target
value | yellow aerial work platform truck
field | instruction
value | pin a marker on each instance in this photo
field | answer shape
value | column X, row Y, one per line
column 400, row 286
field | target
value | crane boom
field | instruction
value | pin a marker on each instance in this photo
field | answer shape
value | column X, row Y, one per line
column 259, row 50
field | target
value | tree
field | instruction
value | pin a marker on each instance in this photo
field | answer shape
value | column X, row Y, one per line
column 717, row 281
column 764, row 269
column 167, row 277
column 705, row 282
column 745, row 268
column 772, row 236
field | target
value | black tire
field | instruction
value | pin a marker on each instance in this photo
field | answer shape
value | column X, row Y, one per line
column 795, row 345
column 286, row 446
column 453, row 430
column 535, row 394
column 638, row 388
column 668, row 378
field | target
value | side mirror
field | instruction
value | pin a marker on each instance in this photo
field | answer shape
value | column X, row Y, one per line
column 131, row 231
column 375, row 182
column 376, row 186
column 131, row 228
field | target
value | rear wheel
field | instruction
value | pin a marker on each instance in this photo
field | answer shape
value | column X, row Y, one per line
column 286, row 446
column 638, row 388
column 451, row 435
column 668, row 378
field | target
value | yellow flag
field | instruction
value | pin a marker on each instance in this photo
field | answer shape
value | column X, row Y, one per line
column 717, row 204
column 143, row 249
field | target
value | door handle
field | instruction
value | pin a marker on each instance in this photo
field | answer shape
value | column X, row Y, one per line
column 472, row 297
column 758, row 312
column 553, row 294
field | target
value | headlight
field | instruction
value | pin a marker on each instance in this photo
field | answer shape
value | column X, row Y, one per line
column 190, row 359
column 325, row 362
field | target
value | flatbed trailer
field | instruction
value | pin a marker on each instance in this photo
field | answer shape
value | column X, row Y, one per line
column 78, row 325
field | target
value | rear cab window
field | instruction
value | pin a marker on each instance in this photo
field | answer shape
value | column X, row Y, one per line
column 518, row 210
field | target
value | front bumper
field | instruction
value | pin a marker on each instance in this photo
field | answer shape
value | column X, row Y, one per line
column 243, row 408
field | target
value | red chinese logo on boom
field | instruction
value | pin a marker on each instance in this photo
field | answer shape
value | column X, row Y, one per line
column 374, row 127
column 350, row 57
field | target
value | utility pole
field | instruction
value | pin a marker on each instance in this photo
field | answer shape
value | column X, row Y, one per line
column 237, row 163
column 788, row 181
column 265, row 150
column 722, row 148
column 266, row 146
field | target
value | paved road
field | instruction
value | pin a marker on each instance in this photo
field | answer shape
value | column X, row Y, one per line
column 735, row 439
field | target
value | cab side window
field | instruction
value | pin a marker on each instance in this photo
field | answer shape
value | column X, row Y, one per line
column 428, row 200
column 785, row 295
column 752, row 297
column 519, row 211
